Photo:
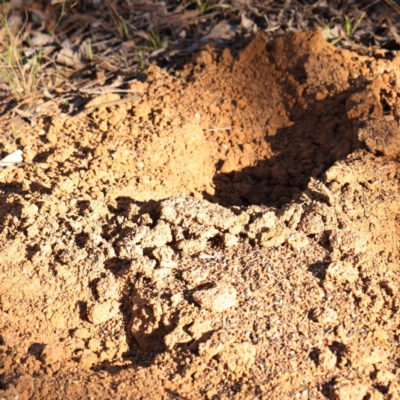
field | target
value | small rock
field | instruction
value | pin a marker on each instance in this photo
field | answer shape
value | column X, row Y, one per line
column 87, row 359
column 107, row 288
column 350, row 391
column 159, row 236
column 52, row 137
column 94, row 344
column 342, row 271
column 76, row 343
column 312, row 223
column 72, row 257
column 239, row 357
column 144, row 266
column 384, row 377
column 178, row 335
column 57, row 320
column 186, row 208
column 327, row 360
column 128, row 245
column 230, row 240
column 192, row 246
column 213, row 346
column 275, row 237
column 144, row 219
column 297, row 241
column 262, row 224
column 195, row 276
column 82, row 333
column 52, row 354
column 160, row 273
column 176, row 299
column 199, row 328
column 325, row 316
column 381, row 136
column 375, row 395
column 217, row 299
column 29, row 210
column 132, row 210
column 163, row 253
column 212, row 393
column 367, row 356
column 102, row 312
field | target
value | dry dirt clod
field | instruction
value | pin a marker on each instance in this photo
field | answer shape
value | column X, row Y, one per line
column 217, row 299
column 99, row 313
column 82, row 333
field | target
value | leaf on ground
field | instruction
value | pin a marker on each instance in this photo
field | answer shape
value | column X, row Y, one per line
column 13, row 158
column 70, row 58
column 222, row 31
column 175, row 19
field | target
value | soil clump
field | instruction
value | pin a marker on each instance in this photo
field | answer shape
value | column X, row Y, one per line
column 233, row 233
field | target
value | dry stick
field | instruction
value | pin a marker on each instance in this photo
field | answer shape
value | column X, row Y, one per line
column 108, row 104
column 394, row 5
column 110, row 90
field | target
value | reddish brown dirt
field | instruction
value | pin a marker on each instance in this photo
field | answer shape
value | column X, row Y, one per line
column 232, row 234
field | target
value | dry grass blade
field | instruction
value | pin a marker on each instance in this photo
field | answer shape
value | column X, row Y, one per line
column 19, row 72
column 393, row 4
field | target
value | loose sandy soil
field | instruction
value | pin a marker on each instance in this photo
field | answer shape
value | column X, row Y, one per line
column 233, row 233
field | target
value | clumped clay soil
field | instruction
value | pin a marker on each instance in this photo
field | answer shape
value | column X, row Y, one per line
column 233, row 233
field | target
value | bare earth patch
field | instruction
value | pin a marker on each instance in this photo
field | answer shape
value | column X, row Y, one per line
column 233, row 233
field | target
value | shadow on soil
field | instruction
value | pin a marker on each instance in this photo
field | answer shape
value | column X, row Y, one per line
column 319, row 136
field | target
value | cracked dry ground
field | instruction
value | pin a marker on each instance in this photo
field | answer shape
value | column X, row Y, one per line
column 232, row 234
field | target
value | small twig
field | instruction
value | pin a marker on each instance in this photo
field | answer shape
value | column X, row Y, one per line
column 393, row 4
column 219, row 129
column 110, row 90
column 108, row 104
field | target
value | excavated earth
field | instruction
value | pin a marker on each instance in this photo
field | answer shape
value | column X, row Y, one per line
column 232, row 234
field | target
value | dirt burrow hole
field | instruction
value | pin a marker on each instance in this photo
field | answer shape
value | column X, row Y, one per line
column 160, row 232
